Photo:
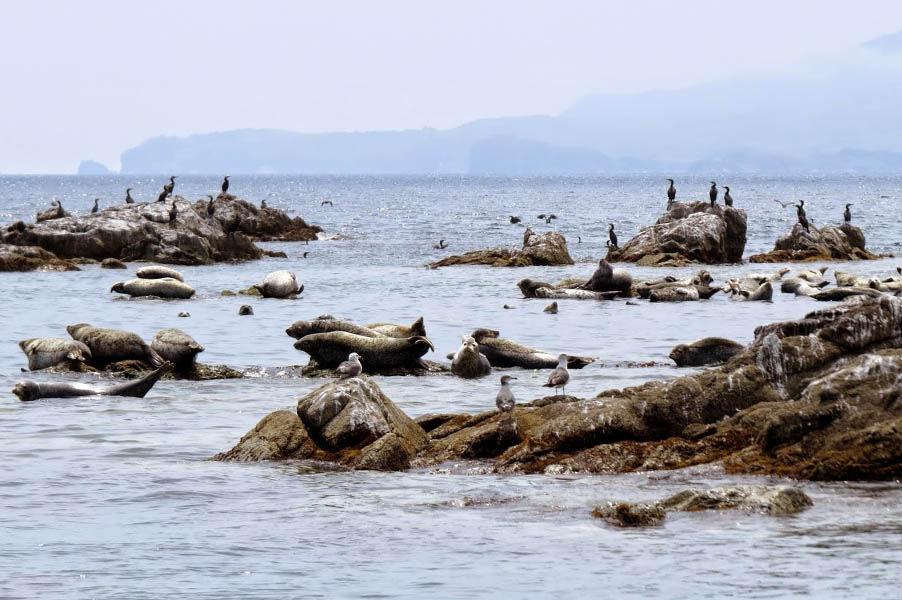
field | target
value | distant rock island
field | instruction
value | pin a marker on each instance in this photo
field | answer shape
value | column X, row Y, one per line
column 92, row 167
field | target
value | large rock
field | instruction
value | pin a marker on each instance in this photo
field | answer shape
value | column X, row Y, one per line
column 278, row 436
column 143, row 231
column 695, row 232
column 261, row 224
column 31, row 258
column 549, row 248
column 845, row 242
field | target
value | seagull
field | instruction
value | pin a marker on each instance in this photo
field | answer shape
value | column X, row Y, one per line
column 505, row 400
column 784, row 204
column 350, row 368
column 560, row 376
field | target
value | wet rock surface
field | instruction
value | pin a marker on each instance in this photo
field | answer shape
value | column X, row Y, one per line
column 539, row 249
column 31, row 258
column 688, row 233
column 830, row 242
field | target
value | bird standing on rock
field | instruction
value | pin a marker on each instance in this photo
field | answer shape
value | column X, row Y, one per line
column 263, row 203
column 727, row 198
column 350, row 368
column 505, row 400
column 210, row 208
column 128, row 196
column 671, row 193
column 612, row 241
column 163, row 195
column 96, row 206
column 560, row 376
column 225, row 184
column 803, row 218
column 173, row 213
column 170, row 186
column 847, row 215
column 712, row 193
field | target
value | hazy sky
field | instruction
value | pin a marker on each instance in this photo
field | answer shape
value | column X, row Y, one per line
column 89, row 79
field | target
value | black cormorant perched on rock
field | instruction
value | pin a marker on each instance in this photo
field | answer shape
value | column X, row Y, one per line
column 800, row 209
column 803, row 219
column 225, row 184
column 173, row 212
column 847, row 215
column 263, row 203
column 515, row 219
column 163, row 195
column 210, row 208
column 727, row 198
column 712, row 193
column 612, row 236
column 441, row 245
column 671, row 193
column 170, row 186
column 96, row 206
column 128, row 196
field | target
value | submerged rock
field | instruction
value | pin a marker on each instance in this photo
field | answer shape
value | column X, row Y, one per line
column 831, row 242
column 32, row 258
column 782, row 500
column 625, row 514
column 549, row 248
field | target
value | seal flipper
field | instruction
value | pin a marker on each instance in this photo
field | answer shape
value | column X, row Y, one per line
column 154, row 358
column 139, row 387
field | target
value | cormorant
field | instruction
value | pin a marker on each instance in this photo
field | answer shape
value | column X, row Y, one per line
column 612, row 236
column 847, row 215
column 727, row 198
column 96, row 206
column 225, row 184
column 324, row 202
column 515, row 219
column 441, row 245
column 802, row 218
column 263, row 203
column 170, row 186
column 800, row 209
column 163, row 195
column 305, row 254
column 210, row 208
column 579, row 240
column 128, row 196
column 712, row 193
column 671, row 193
column 173, row 212
column 547, row 217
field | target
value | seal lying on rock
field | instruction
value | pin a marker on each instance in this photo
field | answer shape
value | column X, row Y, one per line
column 111, row 345
column 848, row 280
column 166, row 287
column 797, row 286
column 505, row 353
column 158, row 272
column 683, row 293
column 707, row 351
column 399, row 331
column 607, row 279
column 177, row 347
column 46, row 352
column 702, row 279
column 279, row 284
column 30, row 390
column 299, row 329
column 469, row 362
column 330, row 349
column 763, row 292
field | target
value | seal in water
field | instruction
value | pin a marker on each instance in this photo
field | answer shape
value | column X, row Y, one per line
column 505, row 400
column 349, row 368
column 158, row 272
column 560, row 376
column 505, row 353
column 162, row 288
column 468, row 362
column 279, row 284
column 177, row 347
column 551, row 308
column 325, row 324
column 707, row 351
column 111, row 345
column 245, row 309
column 399, row 331
column 46, row 352
column 30, row 390
column 330, row 349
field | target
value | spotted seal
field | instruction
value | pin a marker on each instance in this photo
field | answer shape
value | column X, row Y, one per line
column 376, row 353
column 399, row 331
column 166, row 287
column 707, row 351
column 47, row 352
column 158, row 272
column 505, row 353
column 279, row 284
column 27, row 391
column 177, row 347
column 469, row 362
column 299, row 329
column 111, row 345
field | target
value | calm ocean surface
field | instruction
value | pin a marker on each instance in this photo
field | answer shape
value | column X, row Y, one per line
column 114, row 497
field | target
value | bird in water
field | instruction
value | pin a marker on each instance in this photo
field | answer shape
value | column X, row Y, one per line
column 712, row 193
column 441, row 245
column 210, row 208
column 350, row 368
column 324, row 202
column 579, row 240
column 560, row 376
column 727, row 198
column 173, row 212
column 263, row 203
column 547, row 218
column 612, row 241
column 128, row 196
column 803, row 219
column 515, row 219
column 96, row 206
column 505, row 400
column 170, row 186
column 305, row 254
column 671, row 193
column 847, row 215
column 225, row 184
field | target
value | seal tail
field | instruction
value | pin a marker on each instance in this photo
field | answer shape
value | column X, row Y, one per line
column 140, row 387
column 154, row 358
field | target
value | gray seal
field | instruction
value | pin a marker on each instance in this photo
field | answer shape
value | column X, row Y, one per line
column 469, row 362
column 707, row 351
column 177, row 347
column 166, row 287
column 505, row 353
column 330, row 349
column 399, row 331
column 47, row 352
column 607, row 279
column 112, row 345
column 279, row 284
column 158, row 272
column 299, row 329
column 27, row 391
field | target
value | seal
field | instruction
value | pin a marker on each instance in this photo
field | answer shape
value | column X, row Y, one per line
column 27, row 391
column 763, row 292
column 399, row 331
column 707, row 351
column 330, row 349
column 505, row 353
column 158, row 272
column 111, row 345
column 681, row 293
column 844, row 279
column 468, row 362
column 551, row 308
column 608, row 279
column 326, row 324
column 279, row 284
column 245, row 309
column 797, row 286
column 166, row 287
column 46, row 352
column 177, row 347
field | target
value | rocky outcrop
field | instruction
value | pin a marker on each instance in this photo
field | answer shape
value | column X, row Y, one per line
column 31, row 258
column 542, row 249
column 350, row 422
column 148, row 231
column 689, row 232
column 844, row 242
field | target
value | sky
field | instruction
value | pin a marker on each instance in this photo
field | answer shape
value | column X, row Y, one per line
column 89, row 79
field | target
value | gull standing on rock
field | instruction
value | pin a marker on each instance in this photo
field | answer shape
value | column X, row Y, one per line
column 560, row 376
column 505, row 400
column 350, row 368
